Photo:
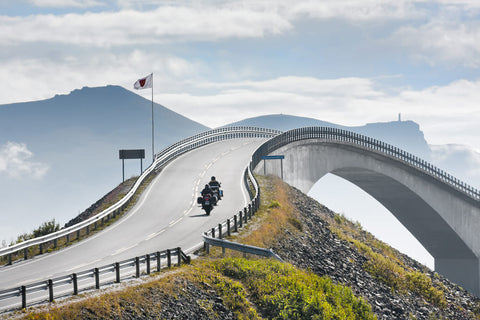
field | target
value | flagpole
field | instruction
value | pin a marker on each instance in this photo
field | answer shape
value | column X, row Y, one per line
column 153, row 135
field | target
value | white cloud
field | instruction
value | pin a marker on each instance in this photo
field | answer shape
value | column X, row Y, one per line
column 66, row 3
column 442, row 41
column 462, row 160
column 15, row 162
column 447, row 114
column 365, row 10
column 46, row 77
column 129, row 27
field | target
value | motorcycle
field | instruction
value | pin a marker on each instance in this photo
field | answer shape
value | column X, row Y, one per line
column 207, row 201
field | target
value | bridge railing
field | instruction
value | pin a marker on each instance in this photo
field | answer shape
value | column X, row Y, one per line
column 328, row 134
column 161, row 159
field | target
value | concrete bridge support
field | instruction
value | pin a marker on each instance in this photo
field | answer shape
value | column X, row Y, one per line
column 444, row 220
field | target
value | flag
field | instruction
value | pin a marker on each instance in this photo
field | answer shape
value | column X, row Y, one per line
column 144, row 82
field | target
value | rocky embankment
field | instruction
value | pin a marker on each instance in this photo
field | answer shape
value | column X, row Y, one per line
column 319, row 249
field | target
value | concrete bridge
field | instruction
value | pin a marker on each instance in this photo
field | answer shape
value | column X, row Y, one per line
column 442, row 212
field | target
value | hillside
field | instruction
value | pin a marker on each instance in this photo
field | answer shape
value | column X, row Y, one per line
column 333, row 268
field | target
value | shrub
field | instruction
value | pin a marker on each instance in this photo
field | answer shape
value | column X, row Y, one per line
column 282, row 292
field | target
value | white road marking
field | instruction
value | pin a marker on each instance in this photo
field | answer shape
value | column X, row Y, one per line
column 84, row 264
column 174, row 222
column 123, row 250
column 153, row 235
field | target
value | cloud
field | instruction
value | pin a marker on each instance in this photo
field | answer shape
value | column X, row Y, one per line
column 442, row 42
column 128, row 27
column 66, row 3
column 15, row 162
column 447, row 114
column 47, row 76
column 359, row 11
column 464, row 161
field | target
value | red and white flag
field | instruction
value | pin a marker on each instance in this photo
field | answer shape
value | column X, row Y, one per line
column 144, row 83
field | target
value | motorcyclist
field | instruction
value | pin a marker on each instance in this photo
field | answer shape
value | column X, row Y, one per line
column 207, row 190
column 214, row 183
column 215, row 186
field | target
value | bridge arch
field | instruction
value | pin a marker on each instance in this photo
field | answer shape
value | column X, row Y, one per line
column 442, row 212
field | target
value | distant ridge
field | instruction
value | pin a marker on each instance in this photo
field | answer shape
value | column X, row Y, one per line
column 403, row 134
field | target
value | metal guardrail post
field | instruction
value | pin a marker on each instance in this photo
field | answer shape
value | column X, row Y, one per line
column 137, row 267
column 169, row 258
column 9, row 259
column 235, row 223
column 25, row 253
column 179, row 256
column 50, row 290
column 23, row 292
column 245, row 214
column 240, row 220
column 219, row 231
column 159, row 265
column 40, row 248
column 117, row 272
column 75, row 284
column 97, row 278
column 213, row 232
column 228, row 227
column 147, row 259
column 206, row 246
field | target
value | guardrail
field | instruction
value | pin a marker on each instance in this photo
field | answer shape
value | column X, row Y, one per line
column 225, row 244
column 347, row 137
column 74, row 283
column 161, row 159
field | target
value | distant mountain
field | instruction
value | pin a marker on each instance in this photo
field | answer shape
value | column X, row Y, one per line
column 403, row 134
column 75, row 139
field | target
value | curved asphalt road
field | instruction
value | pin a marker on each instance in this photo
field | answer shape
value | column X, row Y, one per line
column 165, row 216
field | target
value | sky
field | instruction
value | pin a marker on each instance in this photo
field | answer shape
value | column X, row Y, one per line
column 349, row 62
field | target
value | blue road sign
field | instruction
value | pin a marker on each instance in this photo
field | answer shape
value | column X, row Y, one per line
column 273, row 157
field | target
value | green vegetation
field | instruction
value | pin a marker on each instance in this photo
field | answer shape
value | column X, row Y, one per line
column 281, row 291
column 46, row 228
column 251, row 289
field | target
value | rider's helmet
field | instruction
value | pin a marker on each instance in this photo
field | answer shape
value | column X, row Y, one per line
column 213, row 178
column 207, row 186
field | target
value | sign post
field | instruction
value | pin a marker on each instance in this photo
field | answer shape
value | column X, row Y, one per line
column 131, row 154
column 277, row 157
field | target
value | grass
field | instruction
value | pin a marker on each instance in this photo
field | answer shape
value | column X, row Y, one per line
column 251, row 289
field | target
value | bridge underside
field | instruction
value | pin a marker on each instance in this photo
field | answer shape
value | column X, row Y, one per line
column 442, row 223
